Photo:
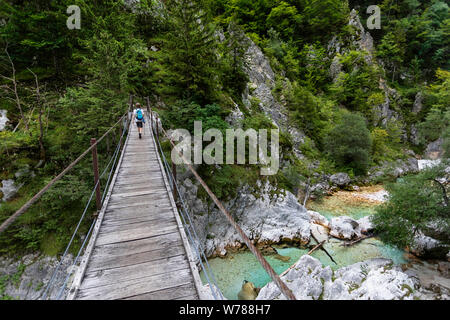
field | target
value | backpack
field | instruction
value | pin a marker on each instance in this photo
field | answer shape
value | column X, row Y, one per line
column 139, row 115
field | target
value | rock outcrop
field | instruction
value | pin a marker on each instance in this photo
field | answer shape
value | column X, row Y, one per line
column 429, row 248
column 265, row 219
column 262, row 82
column 394, row 169
column 27, row 278
column 375, row 279
column 3, row 119
column 435, row 149
column 345, row 228
column 340, row 179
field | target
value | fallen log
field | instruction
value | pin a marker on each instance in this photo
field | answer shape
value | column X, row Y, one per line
column 322, row 248
column 316, row 247
column 351, row 243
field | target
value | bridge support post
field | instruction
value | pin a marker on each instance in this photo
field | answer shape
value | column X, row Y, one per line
column 98, row 196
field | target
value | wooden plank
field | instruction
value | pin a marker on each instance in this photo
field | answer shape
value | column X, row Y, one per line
column 144, row 173
column 143, row 285
column 133, row 234
column 150, row 219
column 137, row 181
column 183, row 292
column 190, row 297
column 132, row 194
column 136, row 227
column 129, row 211
column 156, row 195
column 137, row 246
column 101, row 262
column 160, row 200
column 137, row 187
column 118, row 218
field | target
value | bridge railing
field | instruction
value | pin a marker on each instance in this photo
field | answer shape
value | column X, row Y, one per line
column 185, row 215
column 96, row 197
column 159, row 132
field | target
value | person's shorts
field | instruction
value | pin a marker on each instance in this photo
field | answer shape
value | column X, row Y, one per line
column 139, row 124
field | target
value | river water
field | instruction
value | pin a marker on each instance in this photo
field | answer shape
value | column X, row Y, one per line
column 231, row 271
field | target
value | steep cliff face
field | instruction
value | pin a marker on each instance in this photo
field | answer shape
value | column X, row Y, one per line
column 260, row 87
column 362, row 41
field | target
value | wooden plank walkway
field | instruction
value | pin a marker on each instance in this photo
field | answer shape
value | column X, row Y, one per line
column 138, row 249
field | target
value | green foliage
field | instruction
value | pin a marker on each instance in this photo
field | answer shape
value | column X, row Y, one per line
column 349, row 143
column 184, row 113
column 188, row 56
column 357, row 83
column 323, row 16
column 233, row 63
column 414, row 202
column 311, row 113
column 437, row 121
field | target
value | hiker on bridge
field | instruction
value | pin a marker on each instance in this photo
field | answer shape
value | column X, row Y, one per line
column 139, row 118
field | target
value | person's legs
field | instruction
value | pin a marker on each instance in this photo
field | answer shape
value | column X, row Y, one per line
column 139, row 125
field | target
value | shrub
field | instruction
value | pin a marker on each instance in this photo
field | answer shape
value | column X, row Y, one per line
column 349, row 143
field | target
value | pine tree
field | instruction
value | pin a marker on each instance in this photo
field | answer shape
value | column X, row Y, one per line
column 187, row 61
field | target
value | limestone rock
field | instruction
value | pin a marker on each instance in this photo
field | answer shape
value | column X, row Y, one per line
column 28, row 277
column 344, row 228
column 304, row 279
column 3, row 119
column 319, row 219
column 8, row 188
column 418, row 103
column 429, row 248
column 435, row 149
column 265, row 219
column 365, row 225
column 340, row 179
column 374, row 279
column 394, row 169
column 364, row 39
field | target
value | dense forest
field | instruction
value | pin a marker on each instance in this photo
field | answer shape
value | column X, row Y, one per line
column 61, row 87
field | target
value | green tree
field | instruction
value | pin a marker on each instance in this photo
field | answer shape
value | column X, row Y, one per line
column 349, row 143
column 187, row 61
column 392, row 50
column 414, row 203
column 234, row 63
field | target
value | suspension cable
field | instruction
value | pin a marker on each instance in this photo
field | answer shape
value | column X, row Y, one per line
column 192, row 236
column 112, row 160
column 30, row 202
column 115, row 157
column 280, row 284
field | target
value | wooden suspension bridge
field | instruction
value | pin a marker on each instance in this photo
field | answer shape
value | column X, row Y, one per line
column 139, row 248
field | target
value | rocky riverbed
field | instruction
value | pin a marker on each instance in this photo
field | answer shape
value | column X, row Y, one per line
column 388, row 267
column 375, row 279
